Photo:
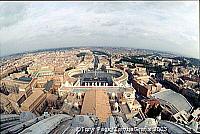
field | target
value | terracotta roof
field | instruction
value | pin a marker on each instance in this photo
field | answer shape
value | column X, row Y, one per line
column 15, row 97
column 4, row 99
column 96, row 102
column 34, row 97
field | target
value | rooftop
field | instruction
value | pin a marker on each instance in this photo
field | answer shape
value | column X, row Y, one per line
column 25, row 79
column 176, row 99
column 16, row 97
column 96, row 102
column 32, row 98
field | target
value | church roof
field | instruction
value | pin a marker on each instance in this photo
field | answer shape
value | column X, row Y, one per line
column 176, row 99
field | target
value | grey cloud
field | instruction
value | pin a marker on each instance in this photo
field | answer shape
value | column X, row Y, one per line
column 152, row 25
column 11, row 13
column 110, row 23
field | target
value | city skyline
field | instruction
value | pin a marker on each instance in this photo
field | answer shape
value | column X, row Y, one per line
column 99, row 90
column 163, row 26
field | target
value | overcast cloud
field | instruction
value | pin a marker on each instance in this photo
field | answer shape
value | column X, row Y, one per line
column 166, row 26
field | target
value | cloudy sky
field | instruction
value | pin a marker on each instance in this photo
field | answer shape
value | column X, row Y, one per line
column 166, row 26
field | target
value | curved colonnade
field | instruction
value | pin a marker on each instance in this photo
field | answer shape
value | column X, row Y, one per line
column 119, row 77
